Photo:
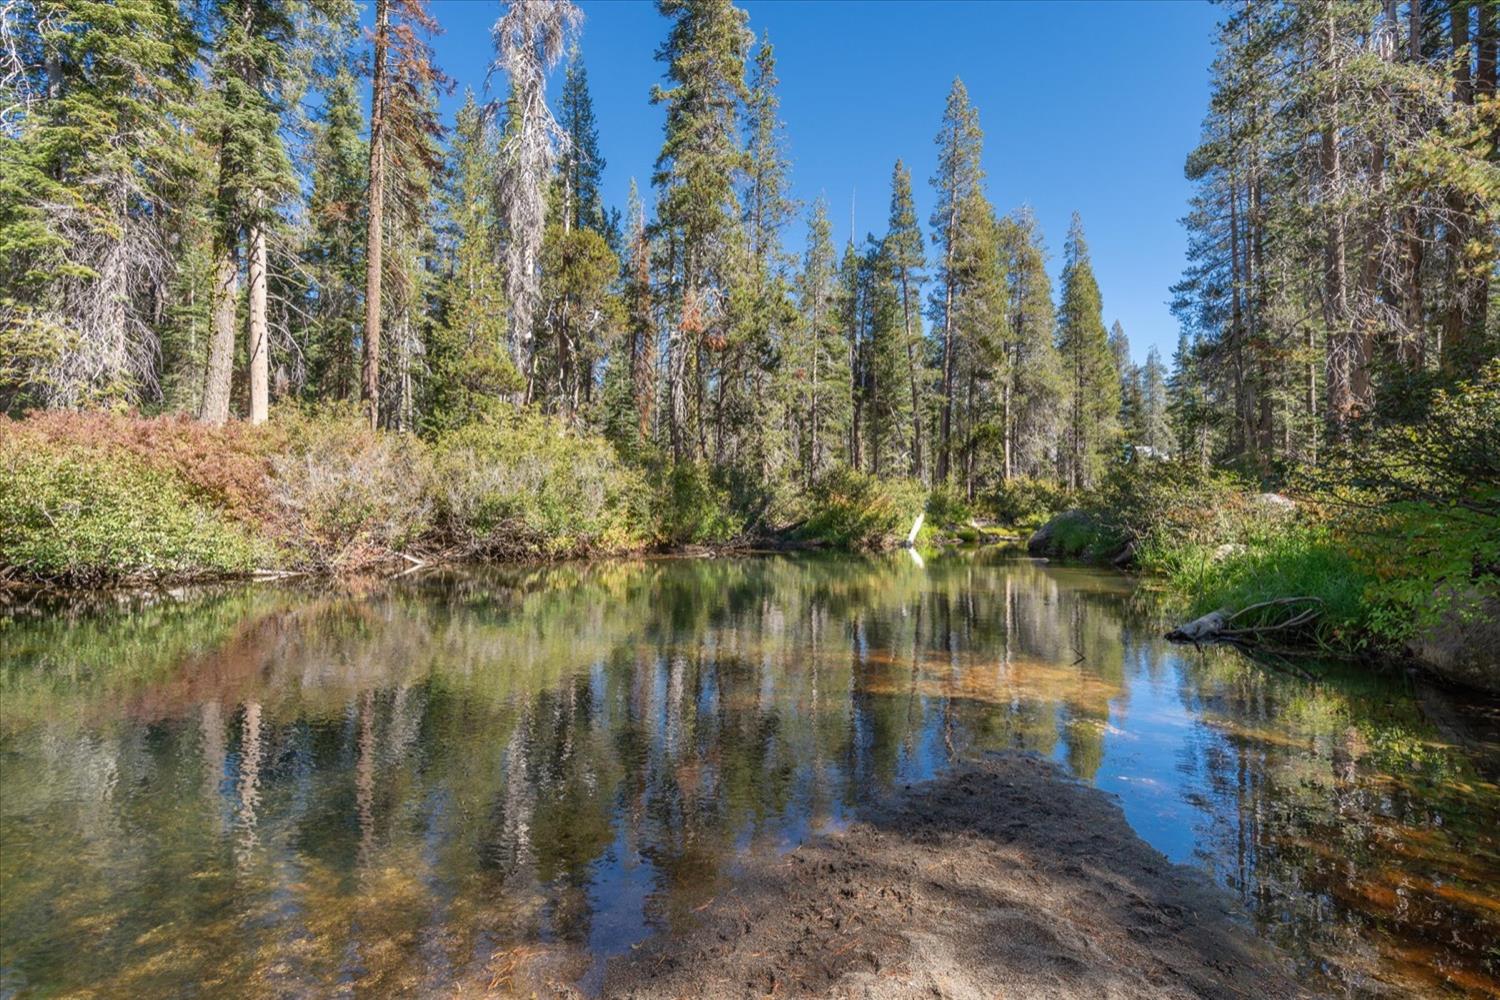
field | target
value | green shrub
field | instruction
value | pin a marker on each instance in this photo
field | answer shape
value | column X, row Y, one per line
column 1025, row 501
column 693, row 507
column 1082, row 535
column 349, row 495
column 526, row 485
column 852, row 510
column 1417, row 506
column 77, row 517
column 948, row 507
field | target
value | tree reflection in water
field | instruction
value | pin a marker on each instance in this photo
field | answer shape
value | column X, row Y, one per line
column 477, row 780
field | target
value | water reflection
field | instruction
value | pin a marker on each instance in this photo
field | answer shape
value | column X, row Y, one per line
column 494, row 781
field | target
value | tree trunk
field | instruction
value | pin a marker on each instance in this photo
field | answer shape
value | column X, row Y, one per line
column 259, row 331
column 370, row 375
column 216, row 382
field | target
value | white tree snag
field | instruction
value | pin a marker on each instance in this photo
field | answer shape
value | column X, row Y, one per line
column 259, row 330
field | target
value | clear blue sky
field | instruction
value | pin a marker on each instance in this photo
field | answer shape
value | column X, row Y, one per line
column 1086, row 106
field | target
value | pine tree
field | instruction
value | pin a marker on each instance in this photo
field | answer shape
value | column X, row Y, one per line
column 1092, row 380
column 1154, row 429
column 471, row 368
column 959, row 176
column 1128, row 377
column 335, row 252
column 88, row 184
column 979, row 359
column 902, row 252
column 697, row 210
column 251, row 53
column 1187, row 406
column 1030, row 394
column 891, row 429
column 529, row 39
column 816, row 360
column 581, row 165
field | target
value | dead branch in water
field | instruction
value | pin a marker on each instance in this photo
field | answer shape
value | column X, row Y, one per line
column 1218, row 626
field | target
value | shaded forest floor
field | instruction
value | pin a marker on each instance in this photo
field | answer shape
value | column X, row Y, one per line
column 1003, row 878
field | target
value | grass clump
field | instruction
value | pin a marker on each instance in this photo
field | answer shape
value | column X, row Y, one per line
column 1300, row 560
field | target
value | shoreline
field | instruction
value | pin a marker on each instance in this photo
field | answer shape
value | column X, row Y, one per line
column 1001, row 877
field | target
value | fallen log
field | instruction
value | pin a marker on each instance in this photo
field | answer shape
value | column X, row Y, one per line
column 1204, row 629
column 1219, row 626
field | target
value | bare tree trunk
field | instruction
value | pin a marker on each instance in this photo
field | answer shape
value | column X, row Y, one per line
column 216, row 383
column 259, row 331
column 370, row 375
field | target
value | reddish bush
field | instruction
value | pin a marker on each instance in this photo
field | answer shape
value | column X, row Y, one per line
column 228, row 466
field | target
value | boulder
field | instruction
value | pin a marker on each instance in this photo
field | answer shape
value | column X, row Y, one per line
column 1045, row 541
column 1463, row 645
column 1274, row 503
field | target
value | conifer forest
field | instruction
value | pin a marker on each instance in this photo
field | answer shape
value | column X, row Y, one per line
column 311, row 344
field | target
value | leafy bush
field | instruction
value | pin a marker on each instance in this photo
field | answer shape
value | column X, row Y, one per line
column 693, row 507
column 1417, row 506
column 75, row 516
column 1178, row 503
column 527, row 485
column 226, row 466
column 853, row 510
column 948, row 507
column 348, row 496
column 1026, row 501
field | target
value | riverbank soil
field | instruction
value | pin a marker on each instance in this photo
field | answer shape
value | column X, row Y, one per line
column 1003, row 878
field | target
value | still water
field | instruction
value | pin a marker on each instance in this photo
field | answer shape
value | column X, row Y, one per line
column 262, row 791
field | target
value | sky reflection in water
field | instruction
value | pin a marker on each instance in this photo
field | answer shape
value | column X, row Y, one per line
column 266, row 791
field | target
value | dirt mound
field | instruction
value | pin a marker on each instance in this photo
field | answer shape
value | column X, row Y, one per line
column 1004, row 878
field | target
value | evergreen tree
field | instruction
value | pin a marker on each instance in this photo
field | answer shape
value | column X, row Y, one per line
column 697, row 210
column 1031, row 392
column 335, row 252
column 1093, row 383
column 471, row 368
column 252, row 51
column 88, row 184
column 1154, row 429
column 581, row 166
column 902, row 252
column 1129, row 380
column 959, row 176
column 891, row 429
column 817, row 358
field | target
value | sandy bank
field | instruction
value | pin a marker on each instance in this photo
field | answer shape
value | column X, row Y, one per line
column 1004, row 878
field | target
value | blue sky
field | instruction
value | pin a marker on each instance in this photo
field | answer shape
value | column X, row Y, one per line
column 1086, row 106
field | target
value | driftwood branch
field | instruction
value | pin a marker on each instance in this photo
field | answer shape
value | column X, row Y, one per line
column 1219, row 626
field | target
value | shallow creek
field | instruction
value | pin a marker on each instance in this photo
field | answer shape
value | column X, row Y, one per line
column 315, row 791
